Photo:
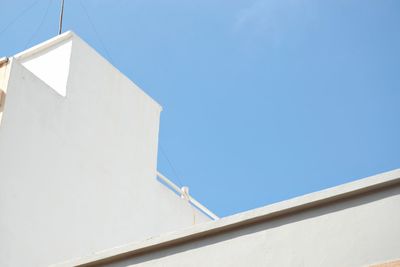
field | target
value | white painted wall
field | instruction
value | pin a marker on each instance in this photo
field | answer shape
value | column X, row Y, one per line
column 77, row 173
column 52, row 65
column 356, row 232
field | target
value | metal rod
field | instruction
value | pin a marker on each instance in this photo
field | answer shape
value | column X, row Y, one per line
column 61, row 17
column 193, row 201
column 169, row 183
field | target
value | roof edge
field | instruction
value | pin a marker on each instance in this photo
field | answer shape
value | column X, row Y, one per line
column 44, row 45
column 293, row 205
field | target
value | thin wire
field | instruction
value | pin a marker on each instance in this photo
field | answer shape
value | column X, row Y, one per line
column 40, row 24
column 170, row 164
column 109, row 56
column 16, row 18
column 95, row 31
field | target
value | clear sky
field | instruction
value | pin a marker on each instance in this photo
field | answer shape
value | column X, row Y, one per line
column 263, row 100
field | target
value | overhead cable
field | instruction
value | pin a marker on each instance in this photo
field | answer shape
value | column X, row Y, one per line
column 170, row 164
column 95, row 30
column 16, row 18
column 40, row 24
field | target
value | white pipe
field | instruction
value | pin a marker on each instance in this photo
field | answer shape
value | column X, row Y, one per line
column 202, row 208
column 193, row 201
column 169, row 183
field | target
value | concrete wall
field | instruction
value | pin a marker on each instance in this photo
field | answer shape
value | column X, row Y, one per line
column 359, row 231
column 77, row 172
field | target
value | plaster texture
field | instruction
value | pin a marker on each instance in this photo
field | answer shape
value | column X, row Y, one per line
column 78, row 156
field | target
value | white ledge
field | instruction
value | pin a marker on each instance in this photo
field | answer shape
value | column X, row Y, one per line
column 43, row 46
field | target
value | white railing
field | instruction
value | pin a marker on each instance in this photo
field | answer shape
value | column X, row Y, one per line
column 184, row 194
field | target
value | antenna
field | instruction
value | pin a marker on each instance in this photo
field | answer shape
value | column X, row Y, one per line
column 61, row 17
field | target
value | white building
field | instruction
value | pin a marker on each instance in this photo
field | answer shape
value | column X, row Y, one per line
column 78, row 186
column 78, row 150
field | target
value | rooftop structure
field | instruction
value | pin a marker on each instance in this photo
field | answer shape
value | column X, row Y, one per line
column 79, row 187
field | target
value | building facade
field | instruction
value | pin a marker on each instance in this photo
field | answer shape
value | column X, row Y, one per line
column 78, row 158
column 78, row 184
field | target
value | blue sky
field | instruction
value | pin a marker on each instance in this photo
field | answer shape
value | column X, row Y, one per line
column 263, row 100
